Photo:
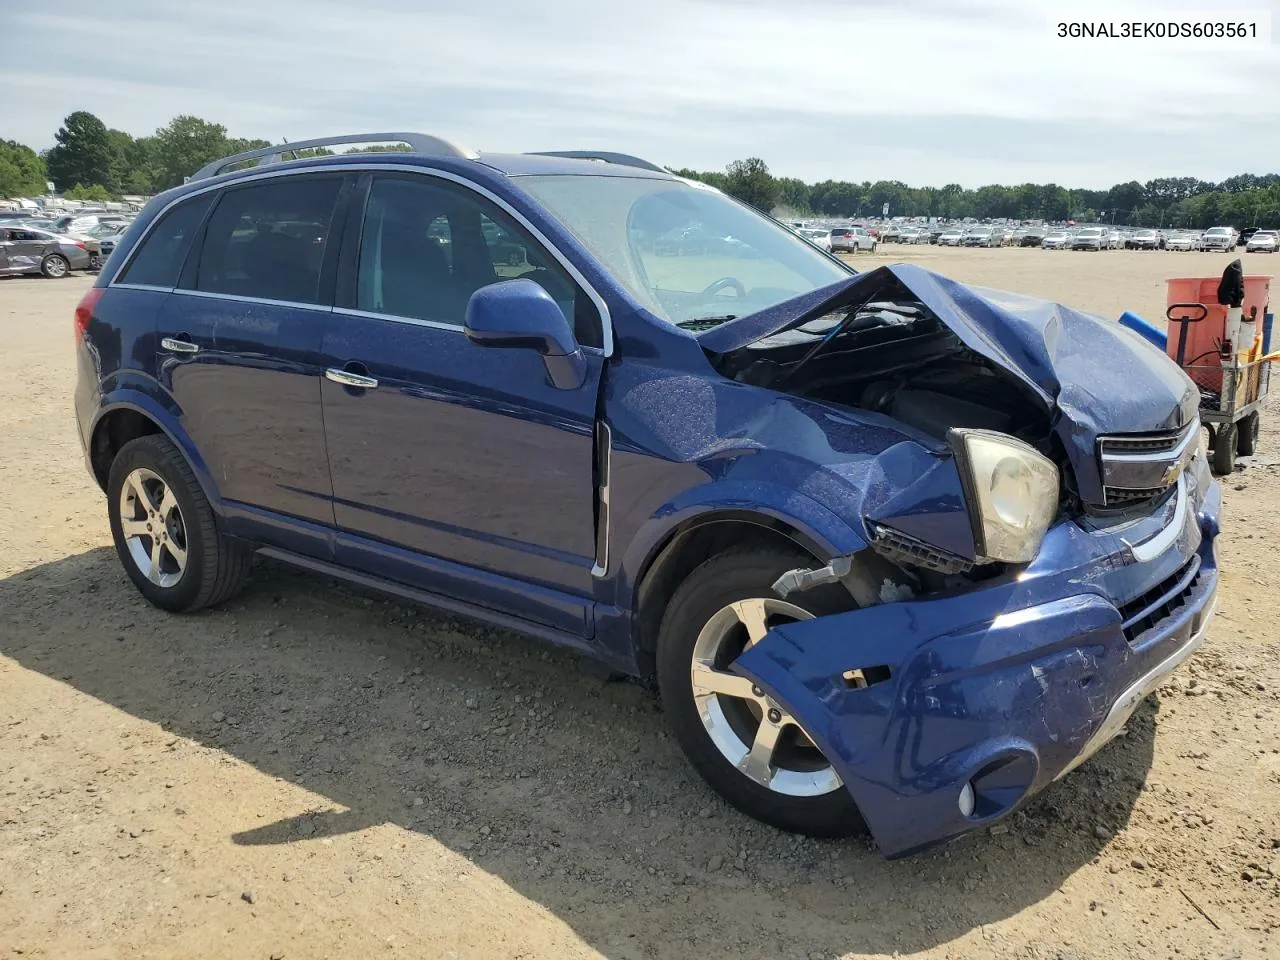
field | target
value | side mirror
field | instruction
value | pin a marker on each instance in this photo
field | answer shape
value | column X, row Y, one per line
column 519, row 313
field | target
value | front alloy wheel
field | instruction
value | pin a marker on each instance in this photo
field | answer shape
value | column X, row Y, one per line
column 760, row 739
column 745, row 744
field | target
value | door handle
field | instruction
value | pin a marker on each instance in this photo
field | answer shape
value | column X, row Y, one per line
column 177, row 345
column 349, row 379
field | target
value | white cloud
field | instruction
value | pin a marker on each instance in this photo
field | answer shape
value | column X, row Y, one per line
column 927, row 91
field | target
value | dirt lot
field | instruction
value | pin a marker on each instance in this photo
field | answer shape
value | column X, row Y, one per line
column 316, row 772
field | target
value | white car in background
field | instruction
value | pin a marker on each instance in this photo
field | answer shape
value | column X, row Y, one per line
column 1218, row 238
column 1115, row 240
column 1180, row 241
column 1056, row 240
column 951, row 237
column 819, row 238
column 1263, row 241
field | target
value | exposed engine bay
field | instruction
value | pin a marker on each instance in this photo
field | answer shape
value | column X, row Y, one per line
column 892, row 355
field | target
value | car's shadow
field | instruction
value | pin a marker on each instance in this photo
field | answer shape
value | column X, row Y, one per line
column 565, row 786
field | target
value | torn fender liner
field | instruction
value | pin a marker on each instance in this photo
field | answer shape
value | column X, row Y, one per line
column 1004, row 702
column 1093, row 375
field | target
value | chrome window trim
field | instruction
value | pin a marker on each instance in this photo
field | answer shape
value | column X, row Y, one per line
column 606, row 320
column 419, row 322
column 411, row 321
column 236, row 298
column 154, row 288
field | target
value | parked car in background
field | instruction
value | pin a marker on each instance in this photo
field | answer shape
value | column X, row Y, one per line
column 951, row 237
column 819, row 238
column 1056, row 240
column 1006, row 235
column 1031, row 237
column 1180, row 240
column 25, row 249
column 1145, row 240
column 915, row 235
column 981, row 237
column 880, row 539
column 107, row 235
column 1263, row 241
column 1218, row 238
column 851, row 240
column 1090, row 238
column 889, row 232
column 1115, row 240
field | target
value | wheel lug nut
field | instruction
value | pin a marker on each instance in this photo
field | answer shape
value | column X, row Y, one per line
column 757, row 691
column 775, row 716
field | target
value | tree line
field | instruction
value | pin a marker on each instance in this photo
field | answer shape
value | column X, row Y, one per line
column 1244, row 200
column 92, row 161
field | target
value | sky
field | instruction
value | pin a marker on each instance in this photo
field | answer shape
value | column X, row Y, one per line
column 924, row 91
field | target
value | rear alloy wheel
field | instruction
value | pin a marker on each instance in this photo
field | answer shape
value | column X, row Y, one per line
column 165, row 531
column 745, row 744
column 55, row 266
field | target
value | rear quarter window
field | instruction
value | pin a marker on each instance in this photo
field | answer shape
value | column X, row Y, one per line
column 160, row 255
column 267, row 240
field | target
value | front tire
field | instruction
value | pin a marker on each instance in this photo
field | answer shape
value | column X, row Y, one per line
column 743, row 744
column 164, row 530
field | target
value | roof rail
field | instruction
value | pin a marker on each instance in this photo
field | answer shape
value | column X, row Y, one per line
column 420, row 143
column 622, row 159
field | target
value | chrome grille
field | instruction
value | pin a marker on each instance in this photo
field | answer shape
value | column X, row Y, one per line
column 1139, row 467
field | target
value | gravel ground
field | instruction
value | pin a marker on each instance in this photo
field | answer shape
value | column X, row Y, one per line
column 311, row 771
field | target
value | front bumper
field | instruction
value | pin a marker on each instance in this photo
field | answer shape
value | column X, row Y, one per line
column 1001, row 689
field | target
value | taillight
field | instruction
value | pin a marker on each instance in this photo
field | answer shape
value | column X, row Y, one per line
column 84, row 311
column 82, row 246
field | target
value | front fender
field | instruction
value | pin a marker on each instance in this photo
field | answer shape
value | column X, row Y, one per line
column 145, row 397
column 767, row 504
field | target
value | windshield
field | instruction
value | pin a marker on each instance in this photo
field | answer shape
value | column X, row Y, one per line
column 693, row 256
column 1218, row 231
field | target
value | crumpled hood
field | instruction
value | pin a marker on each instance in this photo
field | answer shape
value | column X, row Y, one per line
column 1094, row 376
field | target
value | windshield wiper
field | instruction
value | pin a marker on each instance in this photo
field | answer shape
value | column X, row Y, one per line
column 705, row 323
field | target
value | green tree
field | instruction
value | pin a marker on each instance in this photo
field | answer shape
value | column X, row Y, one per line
column 82, row 153
column 96, row 192
column 22, row 172
column 750, row 181
column 794, row 194
column 186, row 144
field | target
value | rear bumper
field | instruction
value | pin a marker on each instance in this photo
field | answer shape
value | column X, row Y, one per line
column 1003, row 689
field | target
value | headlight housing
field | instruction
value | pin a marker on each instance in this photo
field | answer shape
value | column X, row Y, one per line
column 1012, row 491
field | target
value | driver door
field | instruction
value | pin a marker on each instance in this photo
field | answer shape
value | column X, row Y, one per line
column 456, row 468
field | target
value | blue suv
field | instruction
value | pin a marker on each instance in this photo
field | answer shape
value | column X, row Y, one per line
column 897, row 551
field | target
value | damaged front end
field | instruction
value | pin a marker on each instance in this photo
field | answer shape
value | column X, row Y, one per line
column 1030, row 575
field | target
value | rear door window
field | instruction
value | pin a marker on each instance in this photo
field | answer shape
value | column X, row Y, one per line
column 159, row 258
column 267, row 240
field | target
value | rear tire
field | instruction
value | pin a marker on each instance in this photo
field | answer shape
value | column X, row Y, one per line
column 55, row 266
column 690, row 621
column 165, row 532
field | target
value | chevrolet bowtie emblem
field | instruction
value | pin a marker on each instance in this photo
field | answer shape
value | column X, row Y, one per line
column 1171, row 473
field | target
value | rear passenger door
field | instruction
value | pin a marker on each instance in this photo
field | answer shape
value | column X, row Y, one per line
column 239, row 346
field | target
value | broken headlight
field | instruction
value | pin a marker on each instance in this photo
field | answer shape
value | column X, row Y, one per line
column 1012, row 492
